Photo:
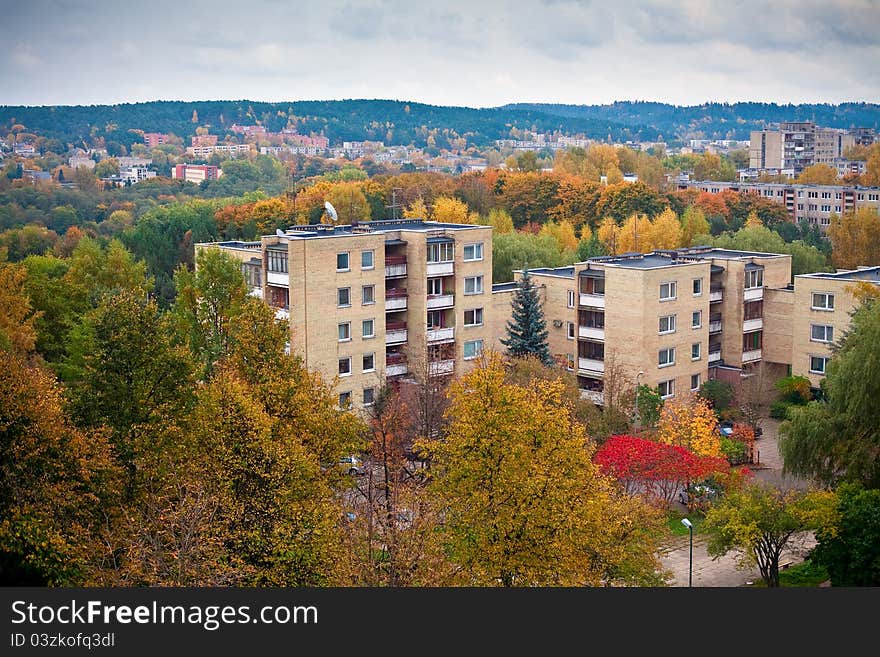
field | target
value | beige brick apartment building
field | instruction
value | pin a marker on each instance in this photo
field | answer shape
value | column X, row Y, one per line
column 363, row 299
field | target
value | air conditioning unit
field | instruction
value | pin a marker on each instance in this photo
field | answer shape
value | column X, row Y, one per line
column 557, row 323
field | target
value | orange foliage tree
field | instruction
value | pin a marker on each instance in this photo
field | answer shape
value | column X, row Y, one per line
column 688, row 421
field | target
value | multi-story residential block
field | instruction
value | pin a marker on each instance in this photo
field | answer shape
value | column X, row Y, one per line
column 134, row 174
column 812, row 203
column 153, row 139
column 797, row 145
column 224, row 149
column 822, row 305
column 203, row 140
column 667, row 319
column 196, row 172
column 370, row 300
column 77, row 161
column 864, row 136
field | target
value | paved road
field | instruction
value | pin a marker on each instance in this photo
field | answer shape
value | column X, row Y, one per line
column 723, row 571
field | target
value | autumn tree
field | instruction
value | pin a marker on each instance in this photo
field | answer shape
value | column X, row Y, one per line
column 563, row 233
column 524, row 504
column 17, row 317
column 350, row 202
column 818, row 174
column 688, row 421
column 760, row 522
column 449, row 211
column 855, row 238
column 416, row 210
column 693, row 223
column 665, row 232
column 501, row 221
column 526, row 328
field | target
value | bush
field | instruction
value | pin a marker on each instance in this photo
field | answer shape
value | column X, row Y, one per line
column 735, row 451
column 779, row 410
column 719, row 394
column 730, row 415
column 794, row 389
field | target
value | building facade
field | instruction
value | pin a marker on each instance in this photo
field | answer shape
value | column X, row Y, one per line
column 377, row 300
column 797, row 145
column 195, row 173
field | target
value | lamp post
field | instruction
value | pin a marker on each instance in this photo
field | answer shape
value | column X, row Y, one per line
column 687, row 523
column 636, row 404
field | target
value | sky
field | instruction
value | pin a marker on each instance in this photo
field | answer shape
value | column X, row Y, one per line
column 475, row 53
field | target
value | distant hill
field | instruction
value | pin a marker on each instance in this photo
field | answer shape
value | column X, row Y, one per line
column 399, row 122
column 393, row 122
column 714, row 120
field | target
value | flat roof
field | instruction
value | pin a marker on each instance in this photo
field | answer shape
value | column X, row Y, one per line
column 724, row 254
column 561, row 272
column 504, row 287
column 870, row 274
column 371, row 227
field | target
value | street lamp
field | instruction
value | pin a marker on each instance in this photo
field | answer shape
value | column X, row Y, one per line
column 687, row 523
column 636, row 420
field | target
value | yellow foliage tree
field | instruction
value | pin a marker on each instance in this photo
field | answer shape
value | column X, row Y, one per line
column 450, row 210
column 350, row 202
column 693, row 223
column 855, row 238
column 818, row 174
column 753, row 221
column 688, row 421
column 562, row 232
column 416, row 210
column 665, row 232
column 609, row 235
column 635, row 235
column 586, row 233
column 501, row 221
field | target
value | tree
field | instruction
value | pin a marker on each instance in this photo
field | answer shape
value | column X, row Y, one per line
column 818, row 174
column 416, row 210
column 665, row 232
column 849, row 547
column 855, row 238
column 754, row 395
column 634, row 235
column 526, row 329
column 450, row 211
column 718, row 393
column 501, row 221
column 350, row 202
column 524, row 504
column 650, row 402
column 17, row 318
column 838, row 438
column 652, row 469
column 521, row 250
column 563, row 233
column 760, row 522
column 590, row 248
column 688, row 421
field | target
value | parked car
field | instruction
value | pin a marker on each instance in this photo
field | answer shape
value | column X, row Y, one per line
column 352, row 465
column 700, row 492
column 726, row 428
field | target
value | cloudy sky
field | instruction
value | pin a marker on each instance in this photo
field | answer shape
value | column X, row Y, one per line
column 476, row 53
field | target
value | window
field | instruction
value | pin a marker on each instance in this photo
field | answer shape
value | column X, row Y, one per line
column 570, row 330
column 698, row 286
column 435, row 286
column 345, row 366
column 472, row 349
column 368, row 363
column 821, row 333
column 754, row 278
column 666, row 388
column 367, row 260
column 435, row 319
column 473, row 317
column 369, row 396
column 343, row 297
column 823, row 301
column 697, row 319
column 752, row 341
column 666, row 357
column 818, row 363
column 667, row 324
column 277, row 261
column 368, row 294
column 571, row 298
column 344, row 331
column 473, row 251
column 695, row 382
column 368, row 328
column 342, row 261
column 569, row 361
column 344, row 400
column 473, row 285
column 695, row 351
column 667, row 291
column 442, row 252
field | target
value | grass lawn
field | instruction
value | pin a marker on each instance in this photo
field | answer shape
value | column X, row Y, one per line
column 673, row 522
column 802, row 575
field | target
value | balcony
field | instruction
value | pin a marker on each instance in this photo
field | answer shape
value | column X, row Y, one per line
column 592, row 300
column 282, row 313
column 437, row 335
column 396, row 370
column 591, row 365
column 751, row 356
column 395, row 300
column 591, row 332
column 753, row 294
column 716, row 294
column 714, row 324
column 440, row 268
column 755, row 324
column 277, row 278
column 395, row 266
column 595, row 396
column 395, row 332
column 437, row 301
column 441, row 367
column 714, row 355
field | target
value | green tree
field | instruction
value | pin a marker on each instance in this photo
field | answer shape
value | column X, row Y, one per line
column 590, row 248
column 17, row 332
column 849, row 549
column 718, row 393
column 761, row 521
column 838, row 438
column 518, row 250
column 526, row 329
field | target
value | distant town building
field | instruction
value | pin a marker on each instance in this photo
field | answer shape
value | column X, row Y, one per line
column 153, row 139
column 204, row 152
column 24, row 149
column 864, row 136
column 797, row 145
column 133, row 174
column 33, row 176
column 248, row 130
column 196, row 173
column 78, row 161
column 204, row 140
column 126, row 161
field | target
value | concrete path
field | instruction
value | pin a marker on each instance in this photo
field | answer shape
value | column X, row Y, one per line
column 723, row 572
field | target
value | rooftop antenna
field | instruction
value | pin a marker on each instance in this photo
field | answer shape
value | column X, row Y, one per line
column 395, row 206
column 328, row 206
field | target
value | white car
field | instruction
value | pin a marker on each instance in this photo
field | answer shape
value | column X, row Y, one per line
column 352, row 465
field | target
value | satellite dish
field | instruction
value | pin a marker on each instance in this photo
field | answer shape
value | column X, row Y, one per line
column 331, row 211
column 280, row 233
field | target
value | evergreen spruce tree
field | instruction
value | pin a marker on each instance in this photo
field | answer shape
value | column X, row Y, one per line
column 527, row 330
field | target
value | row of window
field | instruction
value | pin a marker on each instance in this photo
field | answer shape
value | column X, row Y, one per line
column 443, row 252
column 666, row 356
column 667, row 388
column 472, row 317
column 472, row 285
column 667, row 322
column 823, row 301
column 368, row 330
column 369, row 398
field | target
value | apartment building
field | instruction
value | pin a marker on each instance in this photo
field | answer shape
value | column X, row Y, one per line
column 204, row 152
column 822, row 305
column 812, row 203
column 668, row 319
column 196, row 172
column 797, row 145
column 371, row 300
column 153, row 139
